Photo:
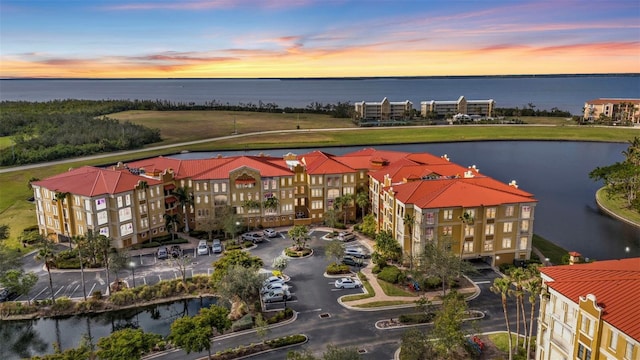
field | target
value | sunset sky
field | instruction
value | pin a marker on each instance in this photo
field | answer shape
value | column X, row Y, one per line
column 316, row 38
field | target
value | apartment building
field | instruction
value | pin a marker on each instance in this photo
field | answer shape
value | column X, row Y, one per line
column 479, row 217
column 483, row 108
column 618, row 110
column 425, row 198
column 590, row 311
column 384, row 110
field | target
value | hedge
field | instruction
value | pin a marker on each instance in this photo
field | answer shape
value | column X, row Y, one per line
column 391, row 274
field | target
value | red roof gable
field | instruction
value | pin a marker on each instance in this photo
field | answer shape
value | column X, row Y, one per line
column 615, row 283
column 93, row 181
column 604, row 101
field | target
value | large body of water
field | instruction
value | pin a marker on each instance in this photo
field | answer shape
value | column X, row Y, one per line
column 545, row 92
column 556, row 172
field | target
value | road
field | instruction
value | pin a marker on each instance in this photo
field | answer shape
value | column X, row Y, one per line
column 319, row 314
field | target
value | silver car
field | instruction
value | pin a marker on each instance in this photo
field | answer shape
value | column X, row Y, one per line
column 272, row 287
column 276, row 295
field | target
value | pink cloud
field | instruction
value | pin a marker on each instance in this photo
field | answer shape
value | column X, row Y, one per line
column 210, row 4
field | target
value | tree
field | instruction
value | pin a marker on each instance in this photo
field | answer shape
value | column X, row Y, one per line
column 300, row 236
column 185, row 198
column 335, row 250
column 369, row 225
column 119, row 260
column 534, row 288
column 191, row 334
column 103, row 247
column 362, row 199
column 230, row 221
column 416, row 345
column 437, row 260
column 518, row 277
column 181, row 263
column 330, row 218
column 80, row 242
column 235, row 257
column 45, row 254
column 271, row 203
column 448, row 333
column 502, row 287
column 217, row 317
column 126, row 344
column 409, row 220
column 171, row 223
column 19, row 282
column 4, row 231
column 9, row 259
column 387, row 247
column 239, row 283
column 332, row 353
column 343, row 203
column 280, row 263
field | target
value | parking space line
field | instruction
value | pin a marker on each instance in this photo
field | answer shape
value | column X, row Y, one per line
column 56, row 294
column 93, row 287
column 144, row 280
column 38, row 294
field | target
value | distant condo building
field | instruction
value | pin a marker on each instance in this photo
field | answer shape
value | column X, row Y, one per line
column 384, row 110
column 482, row 108
column 615, row 110
column 417, row 197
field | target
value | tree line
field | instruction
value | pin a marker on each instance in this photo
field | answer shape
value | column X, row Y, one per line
column 622, row 179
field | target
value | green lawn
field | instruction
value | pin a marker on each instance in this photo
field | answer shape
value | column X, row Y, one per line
column 5, row 142
column 393, row 290
column 618, row 205
column 549, row 249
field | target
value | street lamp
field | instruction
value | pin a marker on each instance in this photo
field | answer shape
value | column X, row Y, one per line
column 133, row 272
column 627, row 250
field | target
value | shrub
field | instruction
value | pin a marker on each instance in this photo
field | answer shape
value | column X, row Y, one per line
column 391, row 274
column 378, row 267
column 287, row 340
column 62, row 304
column 420, row 318
column 123, row 297
column 336, row 269
column 90, row 304
column 97, row 295
column 432, row 282
column 280, row 316
column 146, row 293
column 244, row 323
column 232, row 246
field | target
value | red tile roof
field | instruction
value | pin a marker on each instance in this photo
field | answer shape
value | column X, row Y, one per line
column 604, row 101
column 615, row 283
column 93, row 181
column 465, row 192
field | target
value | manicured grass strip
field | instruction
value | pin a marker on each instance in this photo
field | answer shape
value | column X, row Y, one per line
column 554, row 252
column 375, row 304
column 392, row 290
column 367, row 285
column 618, row 205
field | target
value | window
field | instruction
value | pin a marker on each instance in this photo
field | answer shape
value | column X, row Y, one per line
column 223, row 187
column 489, row 229
column 523, row 243
column 628, row 351
column 126, row 229
column 583, row 352
column 316, row 192
column 524, row 226
column 507, row 227
column 468, row 246
column 430, row 218
column 429, row 233
column 120, row 202
column 584, row 326
column 216, row 187
column 101, row 204
column 447, row 230
column 491, row 213
column 102, row 218
column 506, row 243
column 488, row 245
column 613, row 340
column 508, row 211
column 447, row 214
column 526, row 212
column 316, row 204
column 468, row 231
column 104, row 231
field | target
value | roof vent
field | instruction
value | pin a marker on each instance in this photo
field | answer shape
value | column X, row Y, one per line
column 513, row 183
column 445, row 156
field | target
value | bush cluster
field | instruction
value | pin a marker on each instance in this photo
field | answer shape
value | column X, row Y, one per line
column 280, row 316
column 391, row 274
column 244, row 323
column 10, row 308
column 287, row 340
column 337, row 269
column 420, row 318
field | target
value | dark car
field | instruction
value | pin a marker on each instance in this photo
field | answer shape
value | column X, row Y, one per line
column 351, row 261
column 175, row 251
column 6, row 295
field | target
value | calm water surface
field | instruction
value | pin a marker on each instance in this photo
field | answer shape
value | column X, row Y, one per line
column 556, row 172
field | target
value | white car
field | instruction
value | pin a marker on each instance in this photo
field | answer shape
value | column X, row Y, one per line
column 347, row 283
column 346, row 236
column 203, row 248
column 270, row 233
column 355, row 252
column 273, row 286
column 276, row 295
column 273, row 279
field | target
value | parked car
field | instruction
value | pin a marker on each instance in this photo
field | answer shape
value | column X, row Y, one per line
column 253, row 237
column 217, row 246
column 175, row 251
column 347, row 283
column 273, row 286
column 272, row 279
column 203, row 248
column 346, row 236
column 162, row 253
column 4, row 295
column 356, row 252
column 351, row 261
column 270, row 233
column 276, row 295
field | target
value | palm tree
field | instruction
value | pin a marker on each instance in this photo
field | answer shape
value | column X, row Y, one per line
column 103, row 246
column 518, row 276
column 362, row 199
column 185, row 198
column 502, row 286
column 144, row 186
column 45, row 254
column 271, row 203
column 409, row 221
column 300, row 235
column 534, row 288
column 342, row 203
column 171, row 223
column 80, row 242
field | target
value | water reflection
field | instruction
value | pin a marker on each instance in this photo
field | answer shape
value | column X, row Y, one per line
column 23, row 339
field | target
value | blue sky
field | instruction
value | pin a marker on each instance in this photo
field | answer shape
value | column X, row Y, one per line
column 307, row 38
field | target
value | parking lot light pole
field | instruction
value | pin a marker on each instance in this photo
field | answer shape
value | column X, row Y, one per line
column 133, row 272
